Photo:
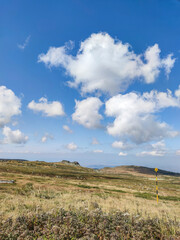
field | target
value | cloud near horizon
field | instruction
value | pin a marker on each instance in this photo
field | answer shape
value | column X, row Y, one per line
column 122, row 154
column 71, row 146
column 158, row 149
column 98, row 151
column 122, row 145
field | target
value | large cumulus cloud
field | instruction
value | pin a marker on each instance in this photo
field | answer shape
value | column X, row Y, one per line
column 10, row 105
column 135, row 115
column 107, row 65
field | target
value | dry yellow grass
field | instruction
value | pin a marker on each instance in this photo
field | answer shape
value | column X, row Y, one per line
column 13, row 206
column 56, row 189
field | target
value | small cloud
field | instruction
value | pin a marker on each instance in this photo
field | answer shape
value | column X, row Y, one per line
column 122, row 154
column 24, row 45
column 157, row 149
column 71, row 146
column 67, row 128
column 46, row 137
column 98, row 151
column 95, row 141
column 151, row 153
column 159, row 145
column 50, row 109
column 121, row 145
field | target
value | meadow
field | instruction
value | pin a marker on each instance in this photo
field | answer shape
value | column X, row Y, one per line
column 60, row 201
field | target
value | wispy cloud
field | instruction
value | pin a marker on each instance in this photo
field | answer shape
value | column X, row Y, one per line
column 157, row 149
column 24, row 45
column 67, row 128
column 94, row 141
column 122, row 154
column 71, row 146
column 98, row 151
column 46, row 136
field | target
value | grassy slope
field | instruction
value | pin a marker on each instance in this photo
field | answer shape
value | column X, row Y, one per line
column 42, row 186
column 137, row 170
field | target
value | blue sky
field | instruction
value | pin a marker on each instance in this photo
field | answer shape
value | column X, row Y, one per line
column 92, row 81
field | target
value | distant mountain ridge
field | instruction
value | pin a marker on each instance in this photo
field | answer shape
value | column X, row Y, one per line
column 110, row 170
column 8, row 159
column 137, row 169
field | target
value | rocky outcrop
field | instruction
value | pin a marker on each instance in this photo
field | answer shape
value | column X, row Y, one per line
column 70, row 163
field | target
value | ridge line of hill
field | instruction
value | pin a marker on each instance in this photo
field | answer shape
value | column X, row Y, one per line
column 111, row 170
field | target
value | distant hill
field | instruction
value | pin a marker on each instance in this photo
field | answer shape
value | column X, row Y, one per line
column 7, row 160
column 136, row 170
column 67, row 165
column 23, row 160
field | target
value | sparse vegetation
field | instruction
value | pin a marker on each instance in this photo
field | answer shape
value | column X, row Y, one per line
column 83, row 224
column 59, row 201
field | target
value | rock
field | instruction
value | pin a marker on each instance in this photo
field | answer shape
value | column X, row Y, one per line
column 7, row 181
column 75, row 163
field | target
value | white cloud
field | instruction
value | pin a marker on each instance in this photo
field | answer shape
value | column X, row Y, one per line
column 86, row 112
column 50, row 109
column 9, row 105
column 151, row 153
column 107, row 65
column 71, row 146
column 46, row 137
column 15, row 136
column 162, row 99
column 159, row 145
column 67, row 128
column 121, row 145
column 157, row 149
column 95, row 141
column 134, row 116
column 122, row 154
column 98, row 151
column 177, row 92
column 24, row 45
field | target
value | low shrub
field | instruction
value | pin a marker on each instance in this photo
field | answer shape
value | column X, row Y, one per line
column 84, row 224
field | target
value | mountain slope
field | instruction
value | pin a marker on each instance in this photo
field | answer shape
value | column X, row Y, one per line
column 136, row 170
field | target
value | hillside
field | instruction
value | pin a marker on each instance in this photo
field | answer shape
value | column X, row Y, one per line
column 66, row 201
column 125, row 169
column 136, row 170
